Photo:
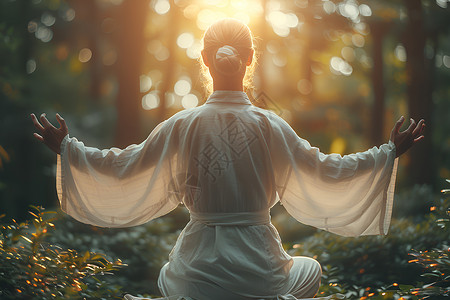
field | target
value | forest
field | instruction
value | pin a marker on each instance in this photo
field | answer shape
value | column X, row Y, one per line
column 340, row 72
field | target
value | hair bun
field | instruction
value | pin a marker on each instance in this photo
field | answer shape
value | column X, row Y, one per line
column 227, row 60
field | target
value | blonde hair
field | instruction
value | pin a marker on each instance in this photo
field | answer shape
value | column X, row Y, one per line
column 228, row 44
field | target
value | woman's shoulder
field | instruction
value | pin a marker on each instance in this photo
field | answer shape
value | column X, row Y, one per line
column 184, row 114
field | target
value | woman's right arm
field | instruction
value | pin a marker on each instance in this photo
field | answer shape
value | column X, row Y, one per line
column 112, row 187
column 49, row 134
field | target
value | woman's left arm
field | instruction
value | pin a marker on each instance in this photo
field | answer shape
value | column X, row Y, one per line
column 406, row 139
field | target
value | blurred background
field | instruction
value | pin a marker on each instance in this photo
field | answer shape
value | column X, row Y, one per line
column 340, row 72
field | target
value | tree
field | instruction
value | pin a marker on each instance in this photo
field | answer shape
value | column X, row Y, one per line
column 131, row 44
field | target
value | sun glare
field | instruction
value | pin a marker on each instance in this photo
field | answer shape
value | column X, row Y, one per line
column 207, row 12
column 273, row 20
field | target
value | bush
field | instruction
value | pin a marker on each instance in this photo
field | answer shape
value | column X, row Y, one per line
column 371, row 265
column 31, row 268
column 145, row 249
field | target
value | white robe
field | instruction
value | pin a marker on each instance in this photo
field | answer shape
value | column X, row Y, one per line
column 229, row 162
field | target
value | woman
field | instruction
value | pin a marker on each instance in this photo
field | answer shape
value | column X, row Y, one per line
column 229, row 162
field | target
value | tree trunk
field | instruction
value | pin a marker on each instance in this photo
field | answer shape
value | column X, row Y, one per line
column 421, row 168
column 131, row 44
column 377, row 122
column 169, row 70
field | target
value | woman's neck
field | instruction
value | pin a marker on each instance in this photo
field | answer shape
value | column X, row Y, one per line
column 228, row 85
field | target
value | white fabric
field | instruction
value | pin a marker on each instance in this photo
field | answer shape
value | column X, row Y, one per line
column 226, row 160
column 226, row 51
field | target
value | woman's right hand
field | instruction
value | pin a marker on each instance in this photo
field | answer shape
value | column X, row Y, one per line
column 406, row 139
column 49, row 134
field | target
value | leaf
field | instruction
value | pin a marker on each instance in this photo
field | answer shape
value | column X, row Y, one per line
column 430, row 275
column 26, row 239
column 86, row 256
column 33, row 214
column 405, row 287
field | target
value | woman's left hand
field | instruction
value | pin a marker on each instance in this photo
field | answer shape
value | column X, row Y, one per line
column 406, row 139
column 49, row 134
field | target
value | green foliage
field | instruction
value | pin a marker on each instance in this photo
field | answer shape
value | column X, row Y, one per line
column 143, row 248
column 436, row 262
column 30, row 268
column 381, row 266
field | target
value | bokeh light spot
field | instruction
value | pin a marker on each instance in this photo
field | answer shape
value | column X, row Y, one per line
column 301, row 3
column 160, row 52
column 191, row 11
column 279, row 60
column 161, row 7
column 31, row 66
column 349, row 10
column 281, row 31
column 291, row 20
column 194, row 51
column 185, row 40
column 68, row 15
column 47, row 19
column 85, row 55
column 358, row 40
column 277, row 18
column 446, row 61
column 44, row 34
column 189, row 101
column 304, row 86
column 365, row 10
column 400, row 53
column 340, row 66
column 348, row 54
column 182, row 87
column 150, row 101
column 329, row 7
column 163, row 54
column 442, row 3
column 145, row 83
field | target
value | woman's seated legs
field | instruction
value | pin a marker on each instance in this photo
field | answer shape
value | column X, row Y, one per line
column 304, row 277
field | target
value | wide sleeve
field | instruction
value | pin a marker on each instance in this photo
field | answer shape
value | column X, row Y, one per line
column 114, row 187
column 348, row 195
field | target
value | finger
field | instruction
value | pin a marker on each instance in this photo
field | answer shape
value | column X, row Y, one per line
column 39, row 137
column 419, row 139
column 411, row 126
column 45, row 122
column 61, row 122
column 417, row 131
column 399, row 124
column 36, row 123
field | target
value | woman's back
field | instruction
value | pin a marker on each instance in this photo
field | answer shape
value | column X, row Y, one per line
column 225, row 150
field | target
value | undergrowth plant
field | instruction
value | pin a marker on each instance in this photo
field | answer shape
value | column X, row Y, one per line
column 31, row 268
column 412, row 261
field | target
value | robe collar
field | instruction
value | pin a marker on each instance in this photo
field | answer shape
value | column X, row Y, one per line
column 235, row 97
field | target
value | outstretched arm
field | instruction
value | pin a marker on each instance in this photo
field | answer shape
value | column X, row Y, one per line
column 49, row 134
column 406, row 139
